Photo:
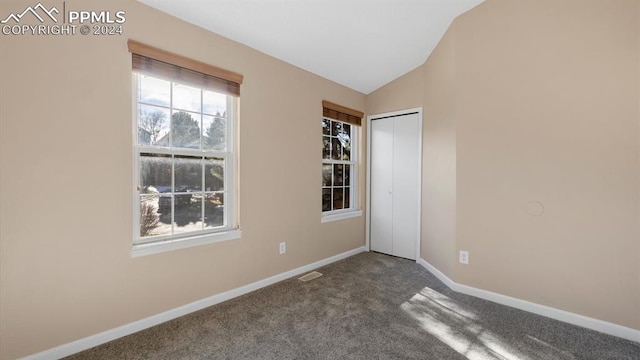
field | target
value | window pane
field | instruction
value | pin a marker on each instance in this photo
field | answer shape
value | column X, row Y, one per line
column 336, row 149
column 153, row 125
column 347, row 175
column 165, row 207
column 346, row 153
column 214, row 210
column 326, row 199
column 163, row 212
column 338, row 175
column 155, row 173
column 326, row 127
column 149, row 218
column 214, row 174
column 154, row 91
column 327, row 179
column 214, row 129
column 185, row 130
column 326, row 147
column 214, row 103
column 347, row 198
column 186, row 98
column 345, row 141
column 337, row 199
column 346, row 129
column 188, row 173
column 187, row 213
column 336, row 128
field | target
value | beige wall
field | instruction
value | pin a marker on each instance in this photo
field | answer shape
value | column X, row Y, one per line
column 403, row 93
column 547, row 112
column 438, row 241
column 66, row 181
column 536, row 101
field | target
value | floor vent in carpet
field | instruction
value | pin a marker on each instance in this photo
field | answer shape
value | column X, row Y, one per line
column 310, row 276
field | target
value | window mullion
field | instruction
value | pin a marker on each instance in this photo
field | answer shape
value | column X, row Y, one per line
column 202, row 162
column 173, row 161
column 202, row 121
column 173, row 195
column 227, row 168
column 171, row 114
column 182, row 152
column 332, row 161
column 202, row 188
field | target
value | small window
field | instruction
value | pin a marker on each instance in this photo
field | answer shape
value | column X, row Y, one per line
column 339, row 160
column 184, row 155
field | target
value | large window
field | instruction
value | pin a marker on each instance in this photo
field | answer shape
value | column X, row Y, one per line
column 339, row 160
column 338, row 165
column 184, row 155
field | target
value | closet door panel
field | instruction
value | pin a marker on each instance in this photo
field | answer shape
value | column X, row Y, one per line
column 405, row 178
column 382, row 143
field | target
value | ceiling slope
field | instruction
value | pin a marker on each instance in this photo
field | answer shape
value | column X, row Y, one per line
column 361, row 44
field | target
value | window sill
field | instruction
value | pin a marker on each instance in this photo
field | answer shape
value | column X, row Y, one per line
column 341, row 216
column 164, row 246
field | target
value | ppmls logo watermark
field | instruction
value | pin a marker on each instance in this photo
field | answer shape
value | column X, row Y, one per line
column 40, row 20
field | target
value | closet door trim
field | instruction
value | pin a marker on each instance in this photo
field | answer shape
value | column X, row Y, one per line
column 371, row 118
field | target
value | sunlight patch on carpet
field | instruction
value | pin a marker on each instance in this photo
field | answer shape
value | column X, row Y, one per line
column 457, row 327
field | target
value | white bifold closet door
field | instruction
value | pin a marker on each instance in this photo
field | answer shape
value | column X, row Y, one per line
column 395, row 182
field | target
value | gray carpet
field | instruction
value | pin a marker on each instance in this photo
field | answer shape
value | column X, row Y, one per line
column 369, row 306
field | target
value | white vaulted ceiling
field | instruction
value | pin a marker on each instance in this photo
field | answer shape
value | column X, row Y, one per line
column 361, row 44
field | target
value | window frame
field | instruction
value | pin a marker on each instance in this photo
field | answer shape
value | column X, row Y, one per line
column 229, row 231
column 354, row 206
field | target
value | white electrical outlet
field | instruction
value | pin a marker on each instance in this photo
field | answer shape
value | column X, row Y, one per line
column 283, row 248
column 464, row 257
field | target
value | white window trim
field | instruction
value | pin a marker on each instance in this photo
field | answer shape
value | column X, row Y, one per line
column 162, row 244
column 354, row 210
column 346, row 214
column 151, row 248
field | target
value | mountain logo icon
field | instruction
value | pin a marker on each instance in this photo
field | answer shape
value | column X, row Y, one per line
column 35, row 11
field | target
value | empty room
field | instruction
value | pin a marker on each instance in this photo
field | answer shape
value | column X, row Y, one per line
column 320, row 179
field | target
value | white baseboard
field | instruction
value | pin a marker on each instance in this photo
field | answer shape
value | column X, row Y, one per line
column 109, row 335
column 561, row 315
